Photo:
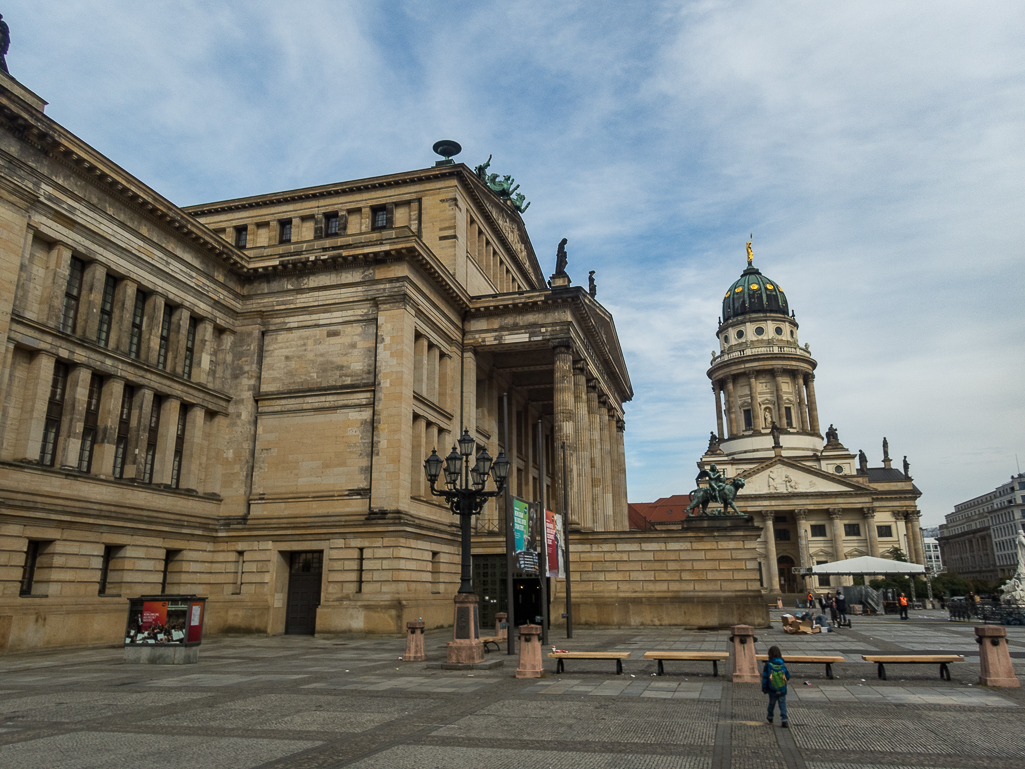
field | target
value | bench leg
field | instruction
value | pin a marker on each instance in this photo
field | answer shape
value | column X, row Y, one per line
column 944, row 672
column 559, row 667
column 619, row 667
column 661, row 669
column 882, row 671
column 715, row 668
column 829, row 670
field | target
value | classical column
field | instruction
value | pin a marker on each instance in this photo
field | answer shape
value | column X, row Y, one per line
column 756, row 416
column 915, row 537
column 624, row 522
column 121, row 321
column 802, row 537
column 597, row 479
column 167, row 433
column 192, row 450
column 734, row 418
column 615, row 493
column 813, row 409
column 36, row 399
column 770, row 550
column 152, row 320
column 582, row 433
column 92, row 297
column 203, row 352
column 468, row 406
column 870, row 528
column 177, row 341
column 565, row 413
column 802, row 406
column 138, row 433
column 834, row 514
column 55, row 283
column 716, row 388
column 781, row 413
column 606, row 462
column 76, row 397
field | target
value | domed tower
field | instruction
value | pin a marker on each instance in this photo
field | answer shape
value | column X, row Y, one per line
column 762, row 375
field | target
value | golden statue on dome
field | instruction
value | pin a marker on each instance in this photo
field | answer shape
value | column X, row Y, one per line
column 750, row 253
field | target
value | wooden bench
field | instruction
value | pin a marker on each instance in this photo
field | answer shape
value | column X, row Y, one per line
column 913, row 659
column 714, row 657
column 561, row 656
column 492, row 639
column 824, row 659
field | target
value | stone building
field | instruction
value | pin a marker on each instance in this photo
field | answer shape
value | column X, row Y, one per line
column 236, row 399
column 817, row 501
column 977, row 540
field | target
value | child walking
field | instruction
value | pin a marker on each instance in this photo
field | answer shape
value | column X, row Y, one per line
column 774, row 683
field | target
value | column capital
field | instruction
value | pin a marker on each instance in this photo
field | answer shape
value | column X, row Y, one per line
column 900, row 515
column 835, row 512
column 768, row 517
column 580, row 366
column 777, row 370
column 913, row 515
column 801, row 515
column 868, row 512
column 592, row 384
column 564, row 345
column 620, row 425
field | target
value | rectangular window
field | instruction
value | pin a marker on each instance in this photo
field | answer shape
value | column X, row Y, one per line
column 330, row 224
column 852, row 529
column 165, row 337
column 138, row 312
column 170, row 556
column 884, row 532
column 54, row 412
column 28, row 570
column 240, row 565
column 241, row 236
column 92, row 412
column 124, row 420
column 72, row 293
column 818, row 529
column 285, row 232
column 190, row 348
column 109, row 552
column 789, row 416
column 359, row 572
column 179, row 447
column 783, row 535
column 378, row 218
column 151, row 440
column 779, row 519
column 748, row 424
column 106, row 311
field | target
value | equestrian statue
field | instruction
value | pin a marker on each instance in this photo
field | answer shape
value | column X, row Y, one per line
column 718, row 490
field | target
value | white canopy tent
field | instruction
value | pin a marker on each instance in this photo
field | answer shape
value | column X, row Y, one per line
column 866, row 564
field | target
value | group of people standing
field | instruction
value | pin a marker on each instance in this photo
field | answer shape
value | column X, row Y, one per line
column 836, row 605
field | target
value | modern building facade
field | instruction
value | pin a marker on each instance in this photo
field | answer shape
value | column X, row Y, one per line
column 236, row 399
column 817, row 501
column 977, row 540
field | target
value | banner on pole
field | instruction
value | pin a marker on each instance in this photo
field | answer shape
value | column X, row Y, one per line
column 524, row 526
column 554, row 545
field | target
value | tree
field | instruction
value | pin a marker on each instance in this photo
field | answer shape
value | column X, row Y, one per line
column 896, row 554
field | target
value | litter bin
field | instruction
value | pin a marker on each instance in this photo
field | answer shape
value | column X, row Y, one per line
column 164, row 629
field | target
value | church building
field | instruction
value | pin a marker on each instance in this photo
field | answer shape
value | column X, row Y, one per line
column 816, row 500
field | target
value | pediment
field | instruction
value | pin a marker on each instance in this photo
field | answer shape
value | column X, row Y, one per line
column 783, row 477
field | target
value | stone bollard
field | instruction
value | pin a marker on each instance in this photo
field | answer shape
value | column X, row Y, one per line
column 779, row 603
column 501, row 625
column 414, row 642
column 995, row 668
column 530, row 652
column 742, row 654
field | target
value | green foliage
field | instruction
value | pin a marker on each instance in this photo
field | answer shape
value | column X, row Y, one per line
column 896, row 554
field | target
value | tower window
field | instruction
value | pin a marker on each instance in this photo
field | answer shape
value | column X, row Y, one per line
column 285, row 232
column 884, row 532
column 378, row 218
column 779, row 331
column 241, row 236
column 759, row 330
column 330, row 224
column 740, row 333
column 725, row 338
column 818, row 530
column 748, row 424
column 852, row 529
column 788, row 414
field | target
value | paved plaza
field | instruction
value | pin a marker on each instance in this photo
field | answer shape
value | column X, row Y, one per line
column 350, row 702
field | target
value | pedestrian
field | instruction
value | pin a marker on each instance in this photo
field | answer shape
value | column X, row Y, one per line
column 774, row 683
column 903, row 601
column 811, row 600
column 834, row 615
column 841, row 607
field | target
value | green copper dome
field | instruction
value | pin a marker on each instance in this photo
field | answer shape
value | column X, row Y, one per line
column 754, row 293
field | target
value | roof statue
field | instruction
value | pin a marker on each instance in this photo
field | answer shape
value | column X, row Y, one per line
column 592, row 287
column 719, row 491
column 907, row 468
column 561, row 258
column 5, row 44
column 832, row 436
column 862, row 463
column 502, row 187
column 774, row 430
column 750, row 251
column 886, row 449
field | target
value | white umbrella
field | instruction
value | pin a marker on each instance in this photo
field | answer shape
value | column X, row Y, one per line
column 866, row 564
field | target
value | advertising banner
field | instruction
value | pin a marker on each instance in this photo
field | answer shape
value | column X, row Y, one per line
column 157, row 622
column 553, row 544
column 524, row 526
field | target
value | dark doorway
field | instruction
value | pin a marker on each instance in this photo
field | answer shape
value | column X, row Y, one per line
column 305, row 574
column 489, row 585
column 787, row 575
column 527, row 597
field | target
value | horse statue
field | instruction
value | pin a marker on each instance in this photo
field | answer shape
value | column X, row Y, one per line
column 705, row 496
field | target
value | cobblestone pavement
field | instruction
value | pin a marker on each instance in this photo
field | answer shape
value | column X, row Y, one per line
column 349, row 702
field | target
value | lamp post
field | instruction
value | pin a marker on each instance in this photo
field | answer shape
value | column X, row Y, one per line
column 464, row 492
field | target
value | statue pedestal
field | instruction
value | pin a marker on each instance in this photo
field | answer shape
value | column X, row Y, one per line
column 559, row 280
column 465, row 648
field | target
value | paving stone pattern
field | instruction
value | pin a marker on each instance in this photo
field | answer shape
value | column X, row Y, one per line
column 350, row 702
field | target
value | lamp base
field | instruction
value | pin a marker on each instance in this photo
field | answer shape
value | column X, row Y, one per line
column 465, row 646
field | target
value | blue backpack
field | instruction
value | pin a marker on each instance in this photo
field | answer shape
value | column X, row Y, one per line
column 777, row 677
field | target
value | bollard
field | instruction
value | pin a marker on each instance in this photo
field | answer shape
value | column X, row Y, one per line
column 530, row 652
column 995, row 668
column 501, row 625
column 779, row 603
column 414, row 642
column 742, row 654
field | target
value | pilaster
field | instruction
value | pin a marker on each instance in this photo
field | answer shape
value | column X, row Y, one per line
column 76, row 397
column 166, row 436
column 106, row 426
column 870, row 530
column 565, row 415
column 192, row 450
column 771, row 566
column 393, row 406
column 597, row 479
column 92, row 297
column 33, row 415
column 813, row 409
column 606, row 462
column 717, row 390
column 582, row 433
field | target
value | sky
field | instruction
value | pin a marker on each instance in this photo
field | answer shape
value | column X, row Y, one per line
column 876, row 151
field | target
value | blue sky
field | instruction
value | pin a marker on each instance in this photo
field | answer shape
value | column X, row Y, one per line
column 875, row 150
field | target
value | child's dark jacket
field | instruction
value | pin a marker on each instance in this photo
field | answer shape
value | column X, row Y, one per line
column 765, row 675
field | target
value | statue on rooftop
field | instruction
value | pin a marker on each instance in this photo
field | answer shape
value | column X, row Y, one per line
column 592, row 287
column 561, row 259
column 886, row 449
column 5, row 44
column 832, row 436
column 774, row 430
column 862, row 463
column 907, row 467
column 750, row 252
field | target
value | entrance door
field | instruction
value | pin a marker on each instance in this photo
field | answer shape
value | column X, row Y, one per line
column 787, row 577
column 489, row 585
column 527, row 595
column 304, row 577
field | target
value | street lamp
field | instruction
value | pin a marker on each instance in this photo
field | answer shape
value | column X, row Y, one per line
column 464, row 489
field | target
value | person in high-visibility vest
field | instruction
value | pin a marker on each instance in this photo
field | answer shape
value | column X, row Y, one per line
column 903, row 601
